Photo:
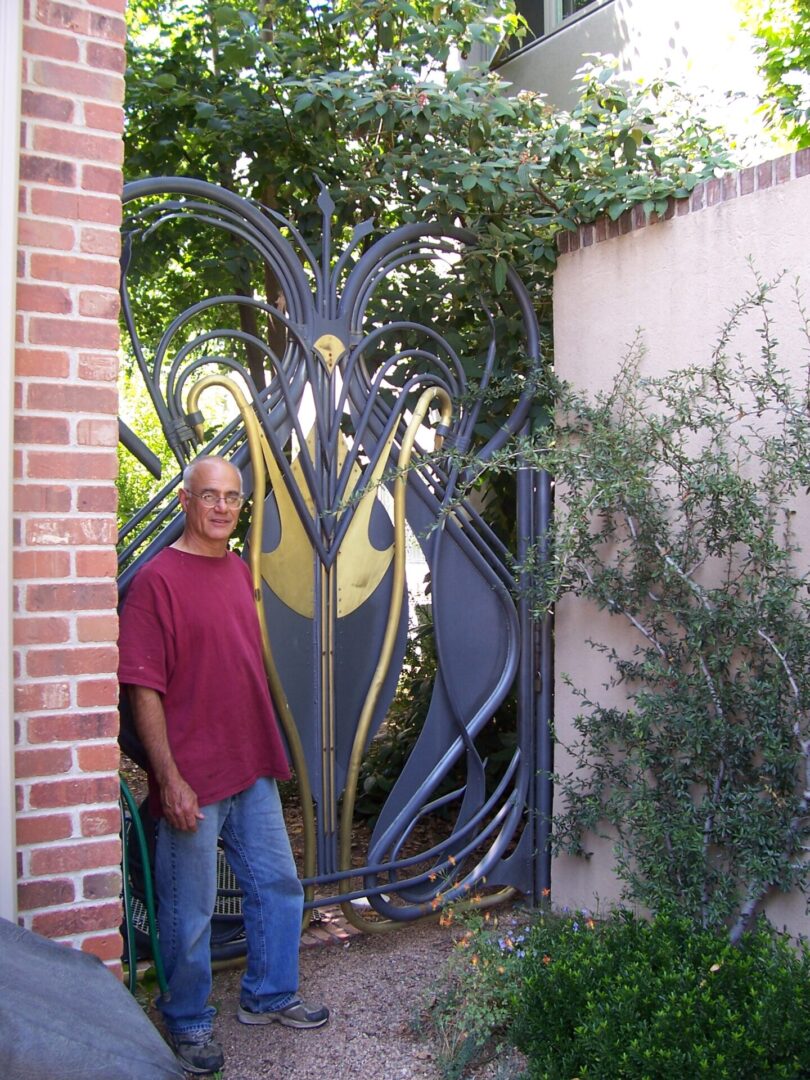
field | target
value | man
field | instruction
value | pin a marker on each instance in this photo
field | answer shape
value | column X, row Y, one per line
column 191, row 659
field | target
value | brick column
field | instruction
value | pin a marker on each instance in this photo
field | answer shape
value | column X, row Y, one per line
column 65, row 464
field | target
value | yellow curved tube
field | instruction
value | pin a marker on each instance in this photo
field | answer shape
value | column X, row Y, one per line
column 389, row 640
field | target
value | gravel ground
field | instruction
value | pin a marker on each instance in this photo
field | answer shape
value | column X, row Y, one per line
column 376, row 988
column 373, row 985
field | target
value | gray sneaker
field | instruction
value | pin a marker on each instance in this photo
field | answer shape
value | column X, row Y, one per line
column 198, row 1053
column 296, row 1015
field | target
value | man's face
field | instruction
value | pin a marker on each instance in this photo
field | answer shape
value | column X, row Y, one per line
column 211, row 526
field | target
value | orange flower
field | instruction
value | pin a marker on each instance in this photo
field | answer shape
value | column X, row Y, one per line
column 546, row 959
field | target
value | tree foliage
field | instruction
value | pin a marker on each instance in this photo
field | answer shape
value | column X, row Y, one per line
column 264, row 96
column 782, row 30
column 271, row 98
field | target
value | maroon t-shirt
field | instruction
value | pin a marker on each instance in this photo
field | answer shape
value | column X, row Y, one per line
column 189, row 629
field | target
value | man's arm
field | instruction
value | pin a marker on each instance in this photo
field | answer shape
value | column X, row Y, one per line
column 177, row 798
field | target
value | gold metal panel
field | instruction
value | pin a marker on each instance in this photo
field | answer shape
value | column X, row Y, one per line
column 330, row 349
column 360, row 567
column 289, row 568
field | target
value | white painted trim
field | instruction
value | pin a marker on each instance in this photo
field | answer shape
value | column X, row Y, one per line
column 10, row 84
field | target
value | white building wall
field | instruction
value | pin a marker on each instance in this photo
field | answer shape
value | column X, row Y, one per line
column 701, row 45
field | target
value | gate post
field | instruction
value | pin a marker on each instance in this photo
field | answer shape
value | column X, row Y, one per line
column 536, row 685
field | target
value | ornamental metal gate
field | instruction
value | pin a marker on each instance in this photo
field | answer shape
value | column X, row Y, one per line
column 334, row 385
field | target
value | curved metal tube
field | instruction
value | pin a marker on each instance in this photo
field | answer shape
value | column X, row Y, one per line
column 387, row 648
column 299, row 297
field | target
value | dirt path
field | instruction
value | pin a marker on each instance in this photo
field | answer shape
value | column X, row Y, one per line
column 375, row 987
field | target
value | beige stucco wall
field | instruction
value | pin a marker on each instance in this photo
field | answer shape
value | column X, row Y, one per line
column 674, row 281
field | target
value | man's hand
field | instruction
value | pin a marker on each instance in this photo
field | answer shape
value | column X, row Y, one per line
column 180, row 804
column 178, row 799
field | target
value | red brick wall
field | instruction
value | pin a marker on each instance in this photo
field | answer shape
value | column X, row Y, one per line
column 65, row 437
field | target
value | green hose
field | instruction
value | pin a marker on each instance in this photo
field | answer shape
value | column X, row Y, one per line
column 128, row 803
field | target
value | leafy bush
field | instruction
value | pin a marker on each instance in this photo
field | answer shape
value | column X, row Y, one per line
column 136, row 486
column 625, row 999
column 631, row 999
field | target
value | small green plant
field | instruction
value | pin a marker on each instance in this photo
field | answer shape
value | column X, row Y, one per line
column 781, row 30
column 630, row 1000
column 472, row 1011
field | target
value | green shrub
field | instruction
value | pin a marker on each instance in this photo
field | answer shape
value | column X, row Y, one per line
column 631, row 999
column 624, row 999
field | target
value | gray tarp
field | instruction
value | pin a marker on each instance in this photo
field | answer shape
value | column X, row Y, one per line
column 64, row 1016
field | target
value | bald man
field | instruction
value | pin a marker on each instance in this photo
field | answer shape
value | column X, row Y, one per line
column 191, row 660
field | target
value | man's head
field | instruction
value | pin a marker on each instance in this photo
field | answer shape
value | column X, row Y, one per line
column 211, row 497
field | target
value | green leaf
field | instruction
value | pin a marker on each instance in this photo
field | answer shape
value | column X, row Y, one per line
column 225, row 15
column 499, row 275
column 456, row 202
column 475, row 137
column 524, row 175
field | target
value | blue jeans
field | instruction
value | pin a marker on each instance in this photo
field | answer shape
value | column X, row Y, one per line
column 257, row 847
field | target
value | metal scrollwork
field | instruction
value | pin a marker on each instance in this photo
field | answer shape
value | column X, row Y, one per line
column 332, row 412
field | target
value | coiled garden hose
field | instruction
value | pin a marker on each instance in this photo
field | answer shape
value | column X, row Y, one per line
column 129, row 807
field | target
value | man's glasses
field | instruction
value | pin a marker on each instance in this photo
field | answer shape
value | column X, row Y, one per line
column 211, row 498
